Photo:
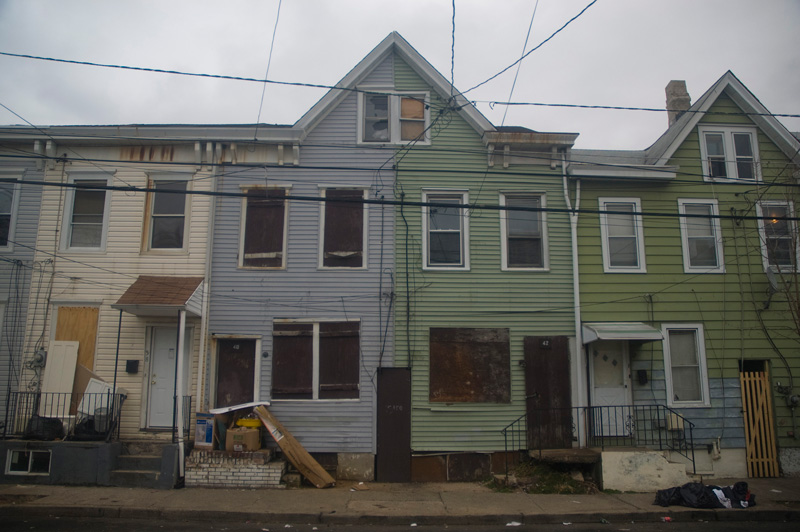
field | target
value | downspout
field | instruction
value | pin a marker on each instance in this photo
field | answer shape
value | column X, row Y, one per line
column 578, row 368
column 179, row 385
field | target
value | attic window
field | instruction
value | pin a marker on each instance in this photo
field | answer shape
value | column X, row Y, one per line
column 394, row 118
column 729, row 153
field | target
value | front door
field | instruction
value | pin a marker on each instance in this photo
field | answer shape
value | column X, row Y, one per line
column 163, row 347
column 548, row 392
column 610, row 386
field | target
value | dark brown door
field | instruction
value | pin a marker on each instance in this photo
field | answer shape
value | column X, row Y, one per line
column 236, row 361
column 394, row 425
column 548, row 392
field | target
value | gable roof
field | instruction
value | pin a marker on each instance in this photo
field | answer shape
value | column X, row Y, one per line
column 663, row 149
column 393, row 43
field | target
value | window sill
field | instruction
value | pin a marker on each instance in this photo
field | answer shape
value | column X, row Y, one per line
column 306, row 401
column 446, row 268
column 606, row 270
column 535, row 270
column 678, row 406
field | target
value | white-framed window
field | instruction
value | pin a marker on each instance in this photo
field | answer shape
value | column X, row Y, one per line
column 391, row 118
column 778, row 235
column 27, row 462
column 167, row 225
column 9, row 200
column 523, row 233
column 343, row 228
column 701, row 237
column 264, row 223
column 729, row 153
column 445, row 228
column 86, row 216
column 622, row 235
column 685, row 364
column 316, row 359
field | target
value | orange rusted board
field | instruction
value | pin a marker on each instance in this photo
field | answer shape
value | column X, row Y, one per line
column 294, row 452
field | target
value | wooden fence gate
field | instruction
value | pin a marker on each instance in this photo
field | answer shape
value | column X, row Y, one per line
column 759, row 426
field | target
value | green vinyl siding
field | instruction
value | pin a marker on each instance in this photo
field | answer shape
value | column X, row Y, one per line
column 528, row 303
column 727, row 304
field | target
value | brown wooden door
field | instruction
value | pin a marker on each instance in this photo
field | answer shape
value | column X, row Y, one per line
column 548, row 392
column 393, row 463
column 236, row 361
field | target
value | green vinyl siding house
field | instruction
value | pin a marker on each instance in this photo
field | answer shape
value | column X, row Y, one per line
column 482, row 268
column 688, row 275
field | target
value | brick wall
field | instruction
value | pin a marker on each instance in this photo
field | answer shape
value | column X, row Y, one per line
column 220, row 469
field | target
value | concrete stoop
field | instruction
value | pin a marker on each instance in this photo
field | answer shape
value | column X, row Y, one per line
column 144, row 465
column 640, row 471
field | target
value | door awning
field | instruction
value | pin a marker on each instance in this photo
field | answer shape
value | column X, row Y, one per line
column 627, row 330
column 152, row 295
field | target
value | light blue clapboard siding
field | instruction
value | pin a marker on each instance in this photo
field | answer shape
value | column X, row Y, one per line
column 245, row 302
column 16, row 269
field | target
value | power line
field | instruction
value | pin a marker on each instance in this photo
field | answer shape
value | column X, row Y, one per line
column 519, row 65
column 266, row 74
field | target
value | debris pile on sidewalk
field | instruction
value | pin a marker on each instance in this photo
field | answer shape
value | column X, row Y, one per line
column 697, row 495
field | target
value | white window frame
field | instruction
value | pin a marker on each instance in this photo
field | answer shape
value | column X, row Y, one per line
column 504, row 231
column 243, row 226
column 394, row 117
column 685, row 238
column 697, row 328
column 727, row 133
column 154, row 179
column 28, row 472
column 66, row 229
column 638, row 233
column 8, row 174
column 464, row 230
column 364, row 234
column 762, row 235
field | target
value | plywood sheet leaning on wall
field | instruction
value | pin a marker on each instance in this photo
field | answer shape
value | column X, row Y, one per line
column 294, row 452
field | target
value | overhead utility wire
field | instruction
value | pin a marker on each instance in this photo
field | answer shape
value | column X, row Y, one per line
column 519, row 65
column 532, row 49
column 266, row 74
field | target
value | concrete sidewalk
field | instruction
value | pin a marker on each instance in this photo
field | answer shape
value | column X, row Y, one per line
column 377, row 503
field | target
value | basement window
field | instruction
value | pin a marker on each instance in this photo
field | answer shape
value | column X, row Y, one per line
column 23, row 462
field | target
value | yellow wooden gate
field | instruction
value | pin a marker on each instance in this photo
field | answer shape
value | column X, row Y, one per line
column 759, row 426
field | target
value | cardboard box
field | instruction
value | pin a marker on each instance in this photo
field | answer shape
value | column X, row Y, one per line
column 242, row 439
column 204, row 431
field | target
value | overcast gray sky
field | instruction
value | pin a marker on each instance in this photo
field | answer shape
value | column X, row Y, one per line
column 619, row 52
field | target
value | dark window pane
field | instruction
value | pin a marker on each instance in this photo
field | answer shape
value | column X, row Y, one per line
column 703, row 252
column 292, row 361
column 168, row 232
column 525, row 253
column 445, row 248
column 622, row 252
column 170, row 202
column 88, row 208
column 5, row 227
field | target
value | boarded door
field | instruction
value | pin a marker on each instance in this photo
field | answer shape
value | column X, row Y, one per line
column 79, row 324
column 236, row 360
column 548, row 393
column 759, row 426
column 394, row 425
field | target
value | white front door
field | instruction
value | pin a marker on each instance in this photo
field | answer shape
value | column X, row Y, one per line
column 163, row 346
column 610, row 386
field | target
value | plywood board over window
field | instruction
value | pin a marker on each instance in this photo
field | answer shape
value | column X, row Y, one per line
column 470, row 365
column 79, row 324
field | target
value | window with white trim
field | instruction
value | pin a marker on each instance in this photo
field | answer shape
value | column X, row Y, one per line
column 393, row 118
column 445, row 231
column 778, row 235
column 729, row 153
column 622, row 235
column 27, row 462
column 343, row 228
column 316, row 360
column 87, row 215
column 701, row 236
column 523, row 232
column 685, row 365
column 168, row 214
column 263, row 230
column 8, row 207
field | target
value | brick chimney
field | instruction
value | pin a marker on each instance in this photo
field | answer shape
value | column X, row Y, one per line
column 678, row 100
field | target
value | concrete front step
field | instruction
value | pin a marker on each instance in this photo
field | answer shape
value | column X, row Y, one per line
column 139, row 462
column 135, row 479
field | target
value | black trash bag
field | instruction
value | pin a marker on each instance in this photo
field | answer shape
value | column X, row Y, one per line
column 740, row 495
column 668, row 497
column 44, row 428
column 696, row 495
column 84, row 431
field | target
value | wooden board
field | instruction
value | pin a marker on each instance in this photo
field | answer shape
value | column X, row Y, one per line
column 59, row 374
column 759, row 428
column 294, row 452
column 79, row 324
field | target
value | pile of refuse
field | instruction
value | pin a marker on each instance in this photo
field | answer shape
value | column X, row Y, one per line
column 697, row 495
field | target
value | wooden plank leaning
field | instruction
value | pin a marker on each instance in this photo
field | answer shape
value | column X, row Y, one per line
column 294, row 452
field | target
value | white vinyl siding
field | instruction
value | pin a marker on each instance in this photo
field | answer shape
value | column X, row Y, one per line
column 622, row 235
column 701, row 236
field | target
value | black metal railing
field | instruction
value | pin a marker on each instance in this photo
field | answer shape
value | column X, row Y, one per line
column 651, row 426
column 58, row 416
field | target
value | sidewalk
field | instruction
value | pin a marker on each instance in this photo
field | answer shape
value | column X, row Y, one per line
column 377, row 503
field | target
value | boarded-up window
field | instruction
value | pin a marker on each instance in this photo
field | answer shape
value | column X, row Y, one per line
column 79, row 324
column 331, row 347
column 470, row 365
column 343, row 244
column 235, row 372
column 264, row 228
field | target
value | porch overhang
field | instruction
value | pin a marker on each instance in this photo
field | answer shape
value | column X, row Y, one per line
column 162, row 296
column 627, row 330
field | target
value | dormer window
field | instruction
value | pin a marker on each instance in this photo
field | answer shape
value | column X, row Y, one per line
column 389, row 118
column 729, row 153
